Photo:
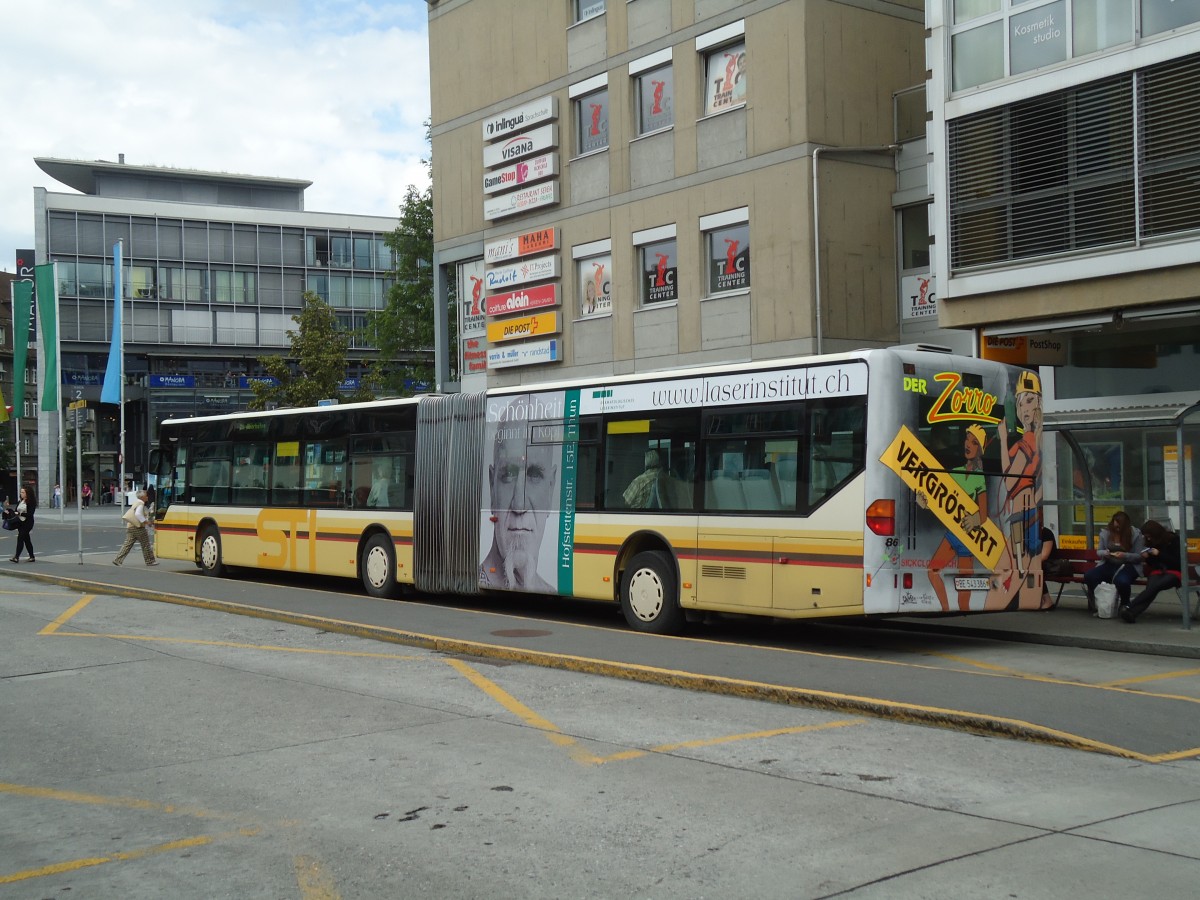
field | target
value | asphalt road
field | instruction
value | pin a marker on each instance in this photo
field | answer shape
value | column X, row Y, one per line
column 156, row 749
column 1128, row 704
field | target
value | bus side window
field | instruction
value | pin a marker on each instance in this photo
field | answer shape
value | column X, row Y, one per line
column 285, row 474
column 211, row 473
column 650, row 463
column 837, row 450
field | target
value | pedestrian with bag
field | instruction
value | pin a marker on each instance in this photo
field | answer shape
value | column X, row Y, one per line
column 137, row 530
column 1121, row 547
column 1163, row 568
column 23, row 519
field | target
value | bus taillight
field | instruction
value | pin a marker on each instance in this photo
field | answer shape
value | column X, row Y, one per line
column 881, row 517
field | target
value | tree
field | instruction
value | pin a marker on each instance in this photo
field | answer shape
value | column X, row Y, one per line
column 403, row 329
column 319, row 352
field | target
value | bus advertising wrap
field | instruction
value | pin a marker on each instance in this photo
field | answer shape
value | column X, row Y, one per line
column 527, row 518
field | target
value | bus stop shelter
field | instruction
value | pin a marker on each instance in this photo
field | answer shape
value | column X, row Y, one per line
column 1179, row 412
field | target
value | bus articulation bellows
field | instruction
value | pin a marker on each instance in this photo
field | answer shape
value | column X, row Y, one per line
column 887, row 481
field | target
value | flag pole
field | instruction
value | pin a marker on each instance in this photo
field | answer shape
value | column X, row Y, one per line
column 16, row 412
column 121, row 354
column 62, row 459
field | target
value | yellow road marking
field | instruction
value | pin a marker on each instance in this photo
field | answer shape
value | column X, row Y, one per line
column 726, row 739
column 1143, row 679
column 512, row 704
column 68, row 615
column 75, row 864
column 238, row 646
column 555, row 735
column 312, row 879
column 22, row 790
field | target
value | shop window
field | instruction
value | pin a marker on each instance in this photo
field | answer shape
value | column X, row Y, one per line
column 655, row 99
column 658, row 266
column 978, row 55
column 725, row 78
column 727, row 251
column 591, row 122
column 593, row 279
column 587, row 9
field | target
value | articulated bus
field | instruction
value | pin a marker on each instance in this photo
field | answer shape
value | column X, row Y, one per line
column 885, row 481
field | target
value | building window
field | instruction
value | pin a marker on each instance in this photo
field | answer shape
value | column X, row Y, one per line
column 978, row 55
column 27, row 447
column 587, row 9
column 914, row 237
column 727, row 251
column 1100, row 24
column 725, row 78
column 591, row 118
column 654, row 88
column 1037, row 38
column 1056, row 174
column 658, row 265
column 593, row 278
column 1164, row 15
column 965, row 10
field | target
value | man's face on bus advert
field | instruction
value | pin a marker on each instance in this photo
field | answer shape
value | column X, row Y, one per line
column 523, row 480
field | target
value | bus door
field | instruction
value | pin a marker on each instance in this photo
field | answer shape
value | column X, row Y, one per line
column 742, row 506
column 171, row 508
column 819, row 558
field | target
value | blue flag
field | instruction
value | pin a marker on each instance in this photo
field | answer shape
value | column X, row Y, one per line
column 112, row 391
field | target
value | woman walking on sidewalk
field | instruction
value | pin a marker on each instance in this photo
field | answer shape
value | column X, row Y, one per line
column 137, row 519
column 24, row 514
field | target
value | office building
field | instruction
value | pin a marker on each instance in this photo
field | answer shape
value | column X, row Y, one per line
column 639, row 186
column 1066, row 228
column 214, row 267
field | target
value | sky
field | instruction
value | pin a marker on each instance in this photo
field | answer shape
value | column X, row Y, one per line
column 335, row 92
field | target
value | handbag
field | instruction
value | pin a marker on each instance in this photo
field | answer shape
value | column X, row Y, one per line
column 10, row 523
column 1058, row 568
column 130, row 516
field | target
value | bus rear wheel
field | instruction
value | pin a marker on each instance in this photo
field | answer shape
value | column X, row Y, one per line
column 209, row 556
column 650, row 594
column 379, row 567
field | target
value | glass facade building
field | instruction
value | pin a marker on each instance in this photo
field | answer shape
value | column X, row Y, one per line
column 214, row 267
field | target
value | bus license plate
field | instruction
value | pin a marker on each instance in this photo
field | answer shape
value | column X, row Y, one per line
column 976, row 583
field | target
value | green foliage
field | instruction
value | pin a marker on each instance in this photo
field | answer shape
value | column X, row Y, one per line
column 403, row 329
column 318, row 361
column 8, row 450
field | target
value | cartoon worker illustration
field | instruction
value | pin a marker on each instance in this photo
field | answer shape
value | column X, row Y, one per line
column 1021, row 461
column 970, row 478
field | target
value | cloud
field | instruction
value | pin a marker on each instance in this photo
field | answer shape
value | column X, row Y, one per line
column 330, row 91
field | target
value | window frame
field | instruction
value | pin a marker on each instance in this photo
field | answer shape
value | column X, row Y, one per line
column 580, row 96
column 584, row 255
column 645, row 243
column 720, row 224
column 642, row 70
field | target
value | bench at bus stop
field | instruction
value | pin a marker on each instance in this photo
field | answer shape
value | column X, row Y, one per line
column 1081, row 560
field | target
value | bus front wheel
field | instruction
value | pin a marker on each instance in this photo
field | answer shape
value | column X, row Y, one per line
column 650, row 595
column 379, row 567
column 209, row 557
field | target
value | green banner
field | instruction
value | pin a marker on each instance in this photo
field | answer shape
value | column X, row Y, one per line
column 22, row 304
column 566, row 505
column 47, row 300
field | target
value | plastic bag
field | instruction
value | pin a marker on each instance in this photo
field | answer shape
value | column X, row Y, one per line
column 1106, row 600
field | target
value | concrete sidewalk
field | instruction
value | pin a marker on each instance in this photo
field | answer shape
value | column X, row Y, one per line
column 1159, row 631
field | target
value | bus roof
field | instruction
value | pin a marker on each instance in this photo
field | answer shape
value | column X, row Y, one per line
column 566, row 384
